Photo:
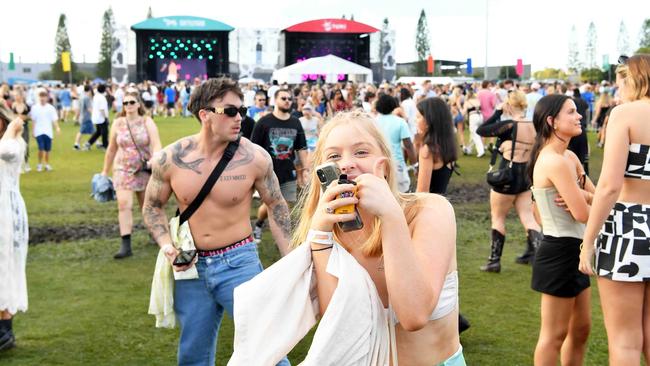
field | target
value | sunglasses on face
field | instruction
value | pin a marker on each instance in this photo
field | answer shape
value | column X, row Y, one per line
column 229, row 111
column 261, row 100
column 622, row 59
column 285, row 98
column 129, row 102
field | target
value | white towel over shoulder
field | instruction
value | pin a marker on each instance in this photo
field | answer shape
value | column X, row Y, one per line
column 277, row 308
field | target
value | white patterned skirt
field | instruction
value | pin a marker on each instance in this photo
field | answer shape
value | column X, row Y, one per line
column 13, row 252
column 623, row 246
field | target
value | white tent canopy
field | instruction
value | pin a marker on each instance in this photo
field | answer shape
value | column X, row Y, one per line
column 331, row 66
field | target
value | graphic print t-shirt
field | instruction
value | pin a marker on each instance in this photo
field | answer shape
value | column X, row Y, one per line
column 281, row 138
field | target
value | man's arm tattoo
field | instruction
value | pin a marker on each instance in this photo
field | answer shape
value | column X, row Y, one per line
column 179, row 152
column 245, row 154
column 282, row 217
column 280, row 209
column 153, row 209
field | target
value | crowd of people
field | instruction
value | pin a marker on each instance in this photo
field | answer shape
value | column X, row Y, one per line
column 364, row 231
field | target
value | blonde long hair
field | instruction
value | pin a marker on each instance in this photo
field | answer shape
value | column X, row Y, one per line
column 308, row 201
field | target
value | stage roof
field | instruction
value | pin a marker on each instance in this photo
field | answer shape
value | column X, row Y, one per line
column 331, row 26
column 182, row 23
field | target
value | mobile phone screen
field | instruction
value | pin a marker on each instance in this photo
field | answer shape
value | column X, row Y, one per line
column 184, row 257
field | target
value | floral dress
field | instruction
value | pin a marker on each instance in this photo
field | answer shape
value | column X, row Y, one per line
column 13, row 228
column 127, row 169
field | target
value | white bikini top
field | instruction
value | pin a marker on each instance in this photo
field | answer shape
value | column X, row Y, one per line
column 447, row 301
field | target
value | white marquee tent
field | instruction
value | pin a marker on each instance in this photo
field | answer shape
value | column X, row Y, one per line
column 331, row 66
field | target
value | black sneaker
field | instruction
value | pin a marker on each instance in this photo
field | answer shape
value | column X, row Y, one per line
column 76, row 147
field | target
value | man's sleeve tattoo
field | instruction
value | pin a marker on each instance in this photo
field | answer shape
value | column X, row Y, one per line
column 282, row 217
column 153, row 209
column 280, row 209
column 179, row 152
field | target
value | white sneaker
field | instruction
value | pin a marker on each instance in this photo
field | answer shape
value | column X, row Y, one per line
column 48, row 167
column 27, row 168
column 257, row 234
column 39, row 168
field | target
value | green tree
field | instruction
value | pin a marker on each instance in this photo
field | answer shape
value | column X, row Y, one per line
column 61, row 44
column 549, row 73
column 644, row 36
column 422, row 45
column 573, row 63
column 508, row 72
column 149, row 13
column 622, row 41
column 591, row 46
column 106, row 46
column 382, row 46
column 594, row 74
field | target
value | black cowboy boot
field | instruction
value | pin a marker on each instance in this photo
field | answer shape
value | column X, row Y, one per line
column 532, row 243
column 494, row 262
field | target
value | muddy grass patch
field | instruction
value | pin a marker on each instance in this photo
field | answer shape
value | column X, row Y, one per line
column 58, row 234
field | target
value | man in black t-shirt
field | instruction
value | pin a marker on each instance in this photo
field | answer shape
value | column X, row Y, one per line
column 282, row 136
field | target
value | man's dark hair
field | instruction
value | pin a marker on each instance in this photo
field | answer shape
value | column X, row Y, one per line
column 404, row 94
column 260, row 93
column 386, row 104
column 87, row 88
column 277, row 92
column 576, row 93
column 101, row 88
column 485, row 84
column 206, row 93
column 275, row 82
column 369, row 95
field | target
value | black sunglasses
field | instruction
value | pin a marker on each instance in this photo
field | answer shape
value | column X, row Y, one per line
column 622, row 59
column 285, row 98
column 228, row 111
column 129, row 102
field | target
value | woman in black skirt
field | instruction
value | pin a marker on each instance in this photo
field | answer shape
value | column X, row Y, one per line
column 563, row 194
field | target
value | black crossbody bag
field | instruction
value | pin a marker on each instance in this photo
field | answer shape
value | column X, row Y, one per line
column 503, row 176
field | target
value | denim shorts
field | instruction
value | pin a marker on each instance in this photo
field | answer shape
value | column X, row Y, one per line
column 44, row 142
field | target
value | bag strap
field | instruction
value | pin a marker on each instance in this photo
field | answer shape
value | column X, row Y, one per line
column 134, row 143
column 495, row 151
column 228, row 154
column 514, row 141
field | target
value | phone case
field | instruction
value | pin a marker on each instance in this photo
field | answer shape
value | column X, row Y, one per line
column 327, row 173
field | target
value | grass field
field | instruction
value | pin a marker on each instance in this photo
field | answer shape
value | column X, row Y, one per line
column 88, row 309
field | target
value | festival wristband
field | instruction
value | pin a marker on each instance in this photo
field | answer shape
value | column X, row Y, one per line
column 320, row 237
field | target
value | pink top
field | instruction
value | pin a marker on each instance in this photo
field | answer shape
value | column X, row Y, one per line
column 488, row 102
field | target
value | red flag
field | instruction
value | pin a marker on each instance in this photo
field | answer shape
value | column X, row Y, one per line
column 430, row 65
column 520, row 67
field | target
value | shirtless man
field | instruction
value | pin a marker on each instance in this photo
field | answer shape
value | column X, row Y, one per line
column 221, row 226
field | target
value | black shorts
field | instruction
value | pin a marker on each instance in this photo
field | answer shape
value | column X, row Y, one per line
column 520, row 182
column 148, row 104
column 555, row 268
column 170, row 105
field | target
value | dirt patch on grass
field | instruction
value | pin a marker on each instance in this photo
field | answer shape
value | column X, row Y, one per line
column 57, row 234
column 468, row 193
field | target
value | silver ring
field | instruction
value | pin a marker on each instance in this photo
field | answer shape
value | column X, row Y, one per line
column 329, row 210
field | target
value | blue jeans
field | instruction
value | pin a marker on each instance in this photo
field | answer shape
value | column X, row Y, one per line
column 199, row 303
